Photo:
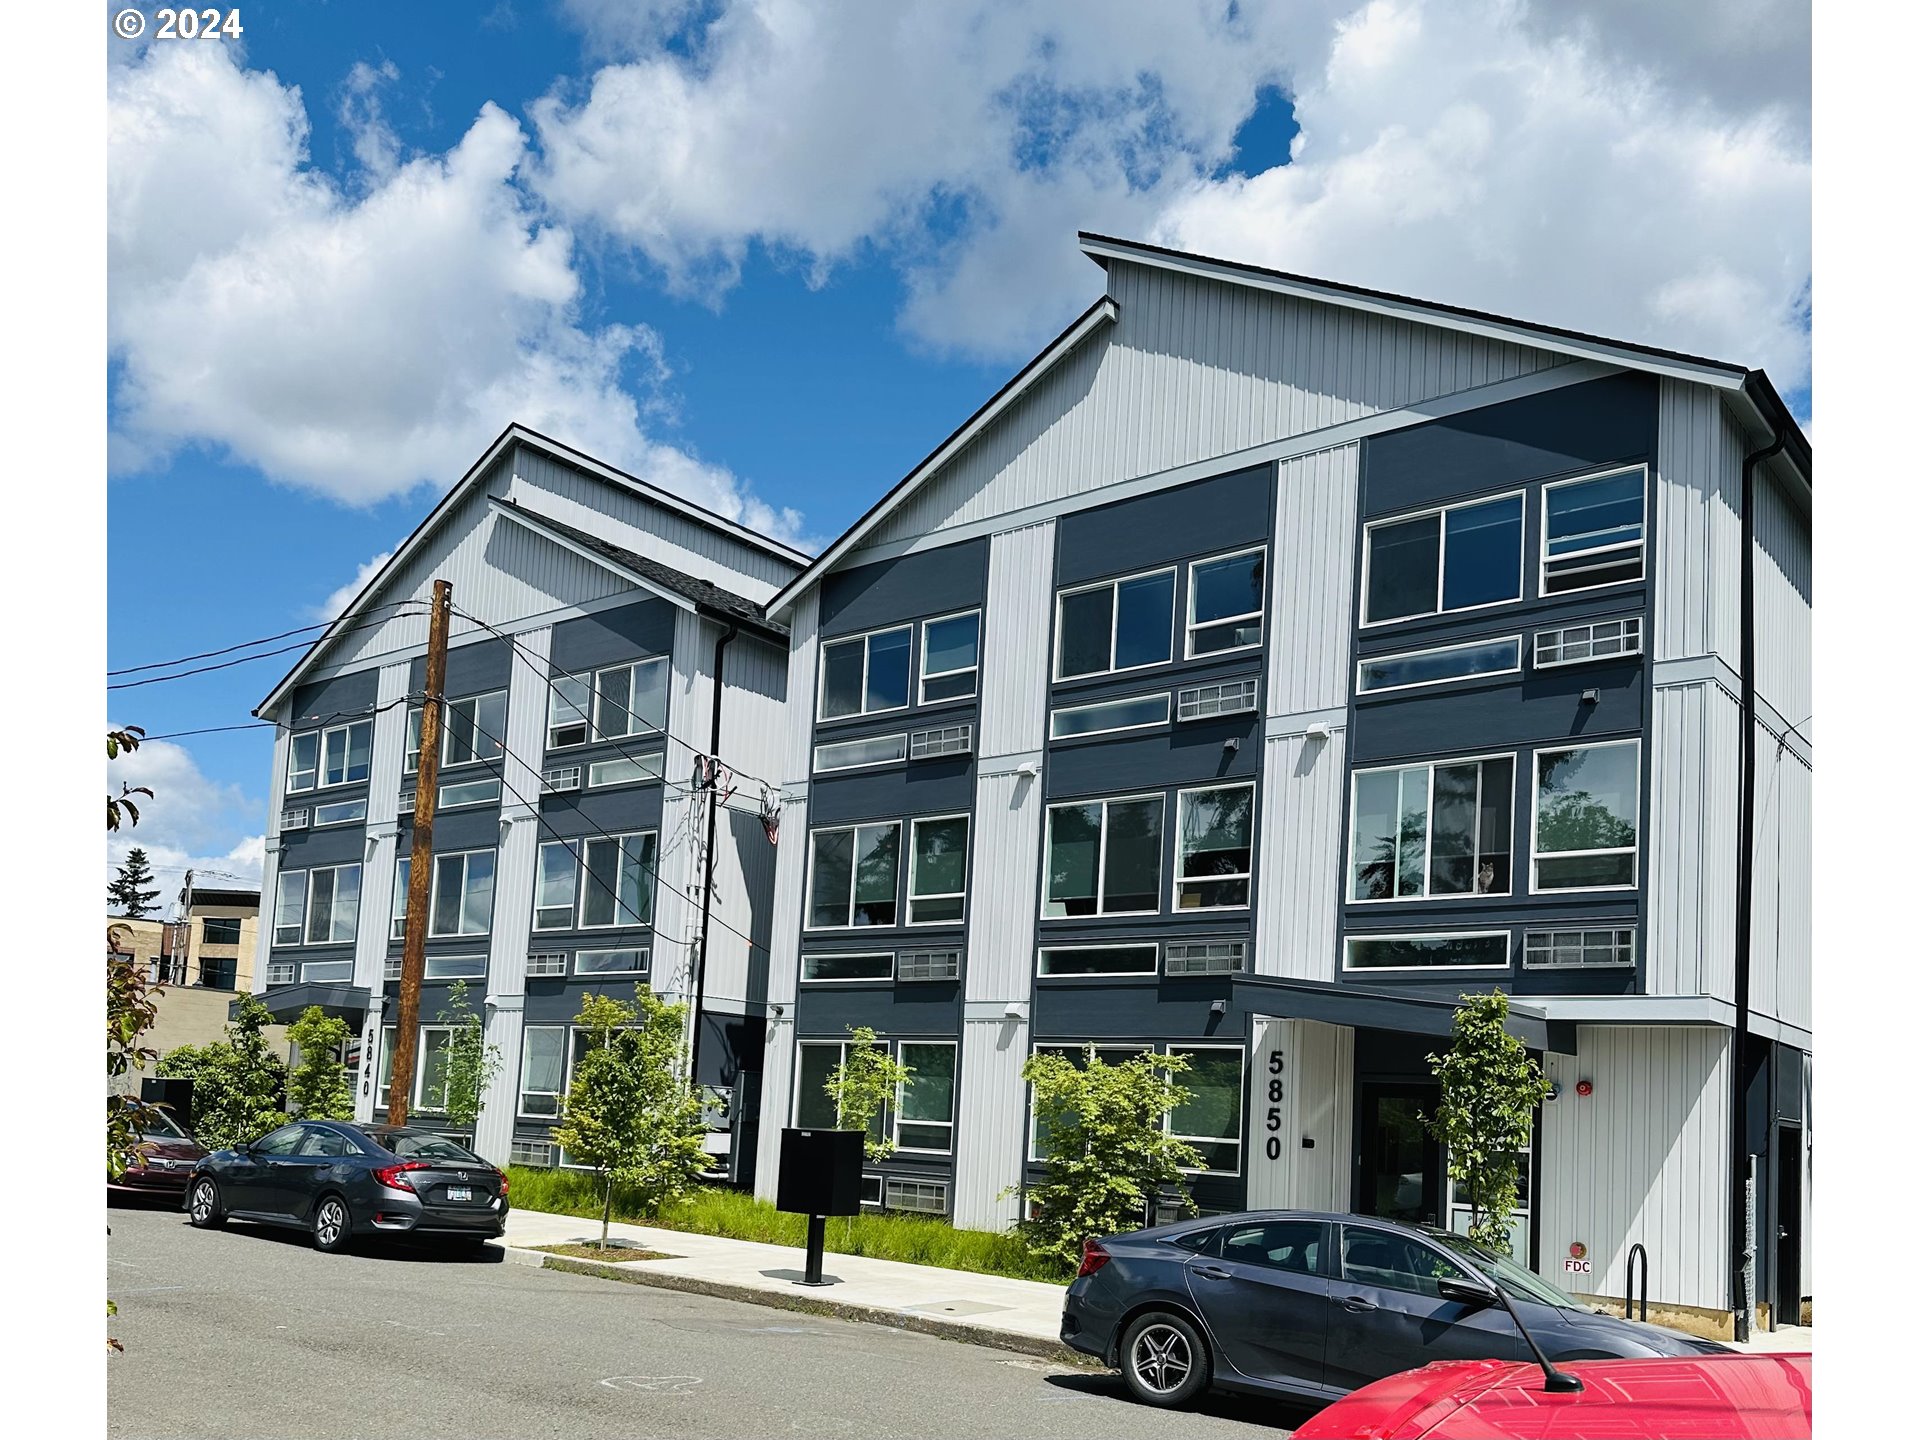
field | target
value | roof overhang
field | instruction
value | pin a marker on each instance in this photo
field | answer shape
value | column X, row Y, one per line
column 287, row 1003
column 1097, row 316
column 1370, row 1009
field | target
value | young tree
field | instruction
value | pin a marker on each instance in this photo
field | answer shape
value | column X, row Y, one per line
column 132, row 891
column 239, row 1084
column 317, row 1088
column 862, row 1085
column 1489, row 1088
column 630, row 1114
column 472, row 1063
column 1103, row 1130
column 131, row 1009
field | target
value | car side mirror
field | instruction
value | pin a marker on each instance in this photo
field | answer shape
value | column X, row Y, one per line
column 1468, row 1292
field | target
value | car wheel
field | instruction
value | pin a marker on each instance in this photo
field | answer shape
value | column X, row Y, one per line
column 1164, row 1359
column 203, row 1206
column 332, row 1226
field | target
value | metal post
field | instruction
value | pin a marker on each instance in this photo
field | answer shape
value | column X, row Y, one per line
column 1637, row 1259
column 816, row 1249
column 1743, row 1326
column 413, row 963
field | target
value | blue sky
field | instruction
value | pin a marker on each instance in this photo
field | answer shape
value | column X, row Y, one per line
column 770, row 252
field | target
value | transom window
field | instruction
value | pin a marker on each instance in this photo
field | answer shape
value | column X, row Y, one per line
column 615, row 702
column 607, row 880
column 1226, row 598
column 857, row 754
column 865, row 674
column 626, row 960
column 855, row 877
column 1106, row 717
column 1458, row 557
column 831, row 965
column 1439, row 665
column 1213, row 861
column 949, row 657
column 937, row 871
column 1430, row 830
column 1103, row 856
column 1067, row 961
column 1474, row 950
column 1122, row 624
column 462, row 901
column 317, row 907
column 1595, row 531
column 1586, row 817
column 338, row 755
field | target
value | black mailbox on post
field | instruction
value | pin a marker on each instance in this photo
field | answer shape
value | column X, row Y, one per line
column 819, row 1176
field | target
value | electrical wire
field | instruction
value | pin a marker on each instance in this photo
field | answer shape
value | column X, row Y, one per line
column 242, row 660
column 249, row 644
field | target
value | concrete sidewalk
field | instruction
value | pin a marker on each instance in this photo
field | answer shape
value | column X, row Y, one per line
column 1022, row 1315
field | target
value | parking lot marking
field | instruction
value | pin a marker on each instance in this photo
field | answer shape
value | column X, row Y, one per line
column 658, row 1384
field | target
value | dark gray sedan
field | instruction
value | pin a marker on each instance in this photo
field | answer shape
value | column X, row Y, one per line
column 1313, row 1305
column 338, row 1180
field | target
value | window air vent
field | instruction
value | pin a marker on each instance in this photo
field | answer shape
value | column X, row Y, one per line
column 1206, row 957
column 1571, row 644
column 947, row 740
column 280, row 972
column 294, row 818
column 927, row 965
column 393, row 969
column 924, row 1197
column 1229, row 697
column 531, row 1152
column 546, row 962
column 560, row 777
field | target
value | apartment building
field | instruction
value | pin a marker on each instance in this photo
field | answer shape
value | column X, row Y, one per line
column 202, row 959
column 1271, row 662
column 605, row 636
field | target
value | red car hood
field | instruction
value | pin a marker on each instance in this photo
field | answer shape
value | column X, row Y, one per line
column 171, row 1147
column 1706, row 1397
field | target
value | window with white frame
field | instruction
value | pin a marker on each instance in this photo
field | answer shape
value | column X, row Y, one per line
column 1071, row 961
column 626, row 769
column 457, row 967
column 1457, row 557
column 340, row 812
column 556, row 886
column 1594, row 531
column 1076, row 1056
column 616, row 883
column 326, row 972
column 625, row 960
column 462, row 899
column 474, row 728
column 543, row 1065
column 317, row 907
column 1586, row 817
column 854, row 876
column 1103, row 856
column 865, row 674
column 397, row 916
column 1438, row 829
column 1226, row 598
column 1209, row 1119
column 1114, row 625
column 923, row 1106
column 813, row 1107
column 937, row 871
column 610, row 703
column 429, row 1067
column 469, row 792
column 828, row 966
column 1586, row 948
column 950, row 657
column 857, row 754
column 1213, row 857
column 337, row 755
column 1106, row 717
column 1467, row 950
column 1439, row 665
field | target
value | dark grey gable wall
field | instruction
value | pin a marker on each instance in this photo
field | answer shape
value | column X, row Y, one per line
column 912, row 587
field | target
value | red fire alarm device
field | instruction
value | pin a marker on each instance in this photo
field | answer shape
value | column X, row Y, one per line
column 1584, row 1088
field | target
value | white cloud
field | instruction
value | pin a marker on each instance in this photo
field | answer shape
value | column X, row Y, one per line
column 188, row 822
column 330, row 608
column 357, row 344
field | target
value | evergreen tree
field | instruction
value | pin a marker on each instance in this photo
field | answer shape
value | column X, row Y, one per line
column 128, row 893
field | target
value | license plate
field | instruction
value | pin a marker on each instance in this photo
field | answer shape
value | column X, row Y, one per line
column 459, row 1192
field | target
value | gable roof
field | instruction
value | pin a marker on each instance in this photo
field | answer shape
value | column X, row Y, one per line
column 1750, row 391
column 516, row 433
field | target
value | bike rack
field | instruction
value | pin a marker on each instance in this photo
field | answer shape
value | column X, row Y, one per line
column 1638, row 1254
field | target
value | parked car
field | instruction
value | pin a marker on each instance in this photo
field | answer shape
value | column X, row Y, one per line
column 1314, row 1305
column 1705, row 1397
column 163, row 1160
column 339, row 1181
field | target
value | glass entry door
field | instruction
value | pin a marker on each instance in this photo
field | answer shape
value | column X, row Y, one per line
column 1399, row 1161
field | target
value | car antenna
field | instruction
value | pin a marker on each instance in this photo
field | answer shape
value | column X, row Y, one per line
column 1558, row 1381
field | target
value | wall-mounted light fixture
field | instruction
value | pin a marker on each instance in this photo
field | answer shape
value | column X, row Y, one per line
column 1589, row 697
column 1219, row 1007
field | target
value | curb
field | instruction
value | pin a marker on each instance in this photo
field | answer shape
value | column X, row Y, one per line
column 932, row 1325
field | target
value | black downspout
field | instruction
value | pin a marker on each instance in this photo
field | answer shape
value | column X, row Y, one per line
column 713, row 823
column 1743, row 911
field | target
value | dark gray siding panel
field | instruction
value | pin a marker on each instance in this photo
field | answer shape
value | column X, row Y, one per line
column 472, row 669
column 475, row 829
column 335, row 699
column 335, row 845
column 1572, row 428
column 1535, row 707
column 1146, row 1009
column 613, row 812
column 1188, row 754
column 825, row 1011
column 610, row 636
column 927, row 787
column 556, row 1001
column 1225, row 512
column 932, row 582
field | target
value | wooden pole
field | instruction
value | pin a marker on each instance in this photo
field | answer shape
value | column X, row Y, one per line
column 413, row 964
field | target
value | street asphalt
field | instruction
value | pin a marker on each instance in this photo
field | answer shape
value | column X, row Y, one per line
column 249, row 1332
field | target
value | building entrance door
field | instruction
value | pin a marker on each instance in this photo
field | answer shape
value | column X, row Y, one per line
column 1398, row 1165
column 1786, row 1256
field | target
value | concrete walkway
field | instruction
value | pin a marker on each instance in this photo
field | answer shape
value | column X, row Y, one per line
column 1019, row 1315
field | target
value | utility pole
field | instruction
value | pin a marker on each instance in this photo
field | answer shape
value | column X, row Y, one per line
column 426, row 792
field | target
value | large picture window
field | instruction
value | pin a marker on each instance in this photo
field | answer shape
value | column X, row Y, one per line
column 1103, row 857
column 855, row 879
column 1586, row 817
column 1076, row 1056
column 949, row 657
column 317, row 907
column 1226, row 598
column 462, row 894
column 1114, row 625
column 1456, row 558
column 865, row 674
column 1595, row 531
column 1209, row 1120
column 937, row 871
column 1213, row 860
column 812, row 1107
column 1432, row 830
column 615, row 702
column 616, row 886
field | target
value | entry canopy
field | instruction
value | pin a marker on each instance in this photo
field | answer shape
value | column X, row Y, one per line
column 286, row 1002
column 1371, row 1009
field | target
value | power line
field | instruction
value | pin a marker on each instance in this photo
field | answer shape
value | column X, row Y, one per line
column 249, row 644
column 242, row 660
column 307, row 722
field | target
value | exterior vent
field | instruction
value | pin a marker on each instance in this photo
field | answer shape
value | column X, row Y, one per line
column 1229, row 697
column 406, row 803
column 1206, row 957
column 923, row 1197
column 546, row 962
column 1572, row 644
column 294, row 818
column 560, row 777
column 927, row 965
column 393, row 969
column 531, row 1152
column 280, row 972
column 1579, row 949
column 932, row 744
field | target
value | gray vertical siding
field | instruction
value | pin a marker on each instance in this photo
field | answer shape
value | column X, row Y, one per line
column 1302, row 801
column 1782, row 883
column 1643, row 1158
column 520, row 832
column 1015, row 658
column 1688, row 844
column 988, row 1153
column 1696, row 487
column 1316, row 1105
column 1783, row 603
column 1310, row 658
column 270, row 856
column 676, row 912
column 493, row 1131
column 744, row 863
column 1194, row 369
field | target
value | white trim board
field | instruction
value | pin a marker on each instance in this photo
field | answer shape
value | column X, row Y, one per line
column 1634, row 1009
